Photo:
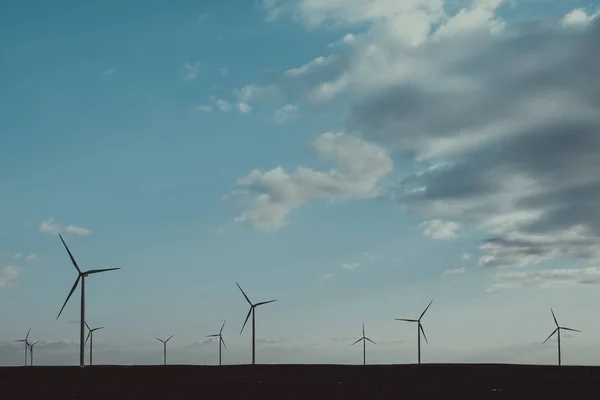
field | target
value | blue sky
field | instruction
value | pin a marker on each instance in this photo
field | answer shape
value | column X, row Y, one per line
column 135, row 129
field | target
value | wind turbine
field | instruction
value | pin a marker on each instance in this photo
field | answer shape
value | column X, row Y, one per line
column 251, row 311
column 26, row 340
column 557, row 330
column 364, row 339
column 221, row 341
column 31, row 351
column 81, row 275
column 164, row 342
column 420, row 329
column 90, row 336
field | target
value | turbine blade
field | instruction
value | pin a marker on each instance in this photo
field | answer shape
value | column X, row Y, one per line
column 97, row 329
column 22, row 340
column 222, row 326
column 247, row 299
column 363, row 329
column 95, row 271
column 69, row 296
column 212, row 335
column 370, row 340
column 87, row 326
column 427, row 308
column 88, row 336
column 554, row 316
column 407, row 320
column 171, row 337
column 27, row 337
column 552, row 334
column 160, row 340
column 34, row 343
column 70, row 255
column 569, row 329
column 356, row 342
column 222, row 341
column 264, row 302
column 423, row 332
column 247, row 316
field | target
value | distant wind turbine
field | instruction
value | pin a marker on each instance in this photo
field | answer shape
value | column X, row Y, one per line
column 81, row 275
column 26, row 340
column 31, row 351
column 557, row 330
column 251, row 311
column 90, row 336
column 420, row 330
column 364, row 340
column 221, row 341
column 164, row 342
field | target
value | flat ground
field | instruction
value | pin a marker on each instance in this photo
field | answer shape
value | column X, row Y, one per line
column 307, row 382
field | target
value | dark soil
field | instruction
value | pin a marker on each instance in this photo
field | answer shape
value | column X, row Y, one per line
column 306, row 382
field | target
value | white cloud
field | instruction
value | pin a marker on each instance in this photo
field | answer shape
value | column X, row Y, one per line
column 348, row 38
column 191, row 71
column 545, row 278
column 368, row 255
column 285, row 113
column 455, row 271
column 52, row 227
column 328, row 275
column 25, row 257
column 362, row 166
column 579, row 17
column 466, row 256
column 352, row 265
column 244, row 108
column 223, row 105
column 8, row 275
column 439, row 229
column 204, row 108
column 507, row 112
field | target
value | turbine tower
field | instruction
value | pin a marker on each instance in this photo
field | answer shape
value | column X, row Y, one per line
column 557, row 330
column 420, row 330
column 164, row 342
column 80, row 275
column 221, row 341
column 364, row 340
column 26, row 340
column 90, row 336
column 31, row 351
column 251, row 311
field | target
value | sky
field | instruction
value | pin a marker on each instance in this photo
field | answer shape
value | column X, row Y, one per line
column 353, row 159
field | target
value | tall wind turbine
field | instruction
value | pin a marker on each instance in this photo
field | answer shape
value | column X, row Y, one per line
column 251, row 311
column 90, row 336
column 557, row 330
column 221, row 341
column 31, row 351
column 164, row 342
column 26, row 340
column 364, row 340
column 420, row 329
column 81, row 275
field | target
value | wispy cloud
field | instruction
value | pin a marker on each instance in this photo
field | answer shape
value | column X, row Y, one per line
column 286, row 113
column 368, row 255
column 52, row 227
column 545, row 278
column 191, row 71
column 439, row 229
column 222, row 105
column 7, row 275
column 108, row 72
column 351, row 265
column 466, row 256
column 327, row 276
column 455, row 271
column 204, row 108
column 25, row 257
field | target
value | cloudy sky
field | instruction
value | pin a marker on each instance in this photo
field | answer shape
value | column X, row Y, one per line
column 354, row 159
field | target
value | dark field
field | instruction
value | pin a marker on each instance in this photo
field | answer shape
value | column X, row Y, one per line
column 307, row 382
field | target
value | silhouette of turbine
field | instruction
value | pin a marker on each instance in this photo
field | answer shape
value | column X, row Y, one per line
column 164, row 342
column 31, row 351
column 420, row 330
column 80, row 275
column 26, row 340
column 221, row 341
column 251, row 311
column 557, row 330
column 364, row 340
column 90, row 336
